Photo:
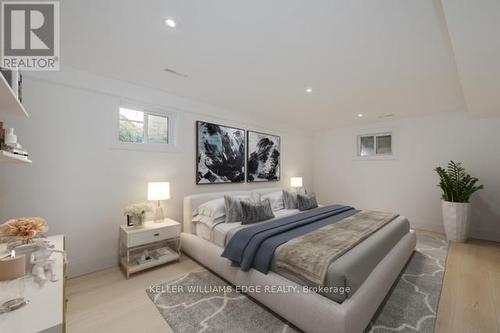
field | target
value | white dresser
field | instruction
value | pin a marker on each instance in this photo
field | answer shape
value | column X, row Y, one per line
column 47, row 305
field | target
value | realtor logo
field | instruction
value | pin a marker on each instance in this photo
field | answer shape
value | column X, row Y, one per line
column 30, row 35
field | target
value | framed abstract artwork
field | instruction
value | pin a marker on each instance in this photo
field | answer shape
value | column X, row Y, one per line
column 220, row 154
column 263, row 157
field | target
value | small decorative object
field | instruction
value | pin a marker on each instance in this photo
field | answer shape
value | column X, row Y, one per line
column 43, row 268
column 24, row 228
column 158, row 191
column 12, row 266
column 263, row 157
column 10, row 137
column 220, row 154
column 136, row 214
column 13, row 304
column 144, row 258
column 457, row 186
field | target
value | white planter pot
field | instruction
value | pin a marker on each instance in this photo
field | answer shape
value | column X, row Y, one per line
column 456, row 217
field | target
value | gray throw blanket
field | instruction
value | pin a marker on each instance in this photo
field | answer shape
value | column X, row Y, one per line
column 309, row 256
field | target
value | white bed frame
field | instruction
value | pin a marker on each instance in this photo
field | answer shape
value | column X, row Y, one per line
column 310, row 312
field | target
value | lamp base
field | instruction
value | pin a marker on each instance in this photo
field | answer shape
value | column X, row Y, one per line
column 159, row 215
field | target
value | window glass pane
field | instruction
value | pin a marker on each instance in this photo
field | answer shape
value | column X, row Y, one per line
column 157, row 129
column 128, row 114
column 367, row 145
column 131, row 131
column 384, row 145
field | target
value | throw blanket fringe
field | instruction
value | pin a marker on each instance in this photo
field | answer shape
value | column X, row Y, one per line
column 309, row 256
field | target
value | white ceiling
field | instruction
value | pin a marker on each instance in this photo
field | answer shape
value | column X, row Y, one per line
column 370, row 57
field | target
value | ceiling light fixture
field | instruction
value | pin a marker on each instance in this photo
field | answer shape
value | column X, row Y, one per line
column 360, row 115
column 309, row 90
column 169, row 22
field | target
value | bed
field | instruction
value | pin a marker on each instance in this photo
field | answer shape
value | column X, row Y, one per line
column 368, row 270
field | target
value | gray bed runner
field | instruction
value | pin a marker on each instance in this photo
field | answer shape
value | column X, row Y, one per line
column 254, row 247
column 310, row 255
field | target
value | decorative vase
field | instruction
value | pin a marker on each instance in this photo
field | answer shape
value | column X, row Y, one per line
column 10, row 137
column 137, row 220
column 456, row 219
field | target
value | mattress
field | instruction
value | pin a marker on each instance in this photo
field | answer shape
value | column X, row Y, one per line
column 347, row 273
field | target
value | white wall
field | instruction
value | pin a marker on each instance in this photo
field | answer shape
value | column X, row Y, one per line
column 80, row 185
column 407, row 184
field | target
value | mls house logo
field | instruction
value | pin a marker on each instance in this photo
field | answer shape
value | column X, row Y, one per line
column 30, row 35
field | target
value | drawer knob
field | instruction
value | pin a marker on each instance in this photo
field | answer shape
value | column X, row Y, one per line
column 156, row 235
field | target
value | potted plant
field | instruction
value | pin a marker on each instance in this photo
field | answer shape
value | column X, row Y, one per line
column 457, row 186
column 136, row 214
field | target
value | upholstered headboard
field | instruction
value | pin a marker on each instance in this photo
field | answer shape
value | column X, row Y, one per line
column 191, row 202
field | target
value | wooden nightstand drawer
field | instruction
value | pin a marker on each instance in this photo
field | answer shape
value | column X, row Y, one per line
column 149, row 236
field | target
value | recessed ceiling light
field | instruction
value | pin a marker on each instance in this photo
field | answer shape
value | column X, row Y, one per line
column 360, row 115
column 170, row 23
column 309, row 90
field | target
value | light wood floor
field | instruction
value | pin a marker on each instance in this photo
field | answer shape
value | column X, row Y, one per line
column 470, row 300
column 106, row 302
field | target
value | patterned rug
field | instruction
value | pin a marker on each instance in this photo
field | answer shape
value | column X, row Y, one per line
column 202, row 302
column 411, row 305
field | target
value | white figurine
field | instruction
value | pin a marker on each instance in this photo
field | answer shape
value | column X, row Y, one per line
column 44, row 266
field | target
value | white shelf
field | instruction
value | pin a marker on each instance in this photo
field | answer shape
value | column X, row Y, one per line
column 9, row 104
column 12, row 158
column 131, row 268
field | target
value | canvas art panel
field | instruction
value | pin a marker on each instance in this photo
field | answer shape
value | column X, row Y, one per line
column 263, row 157
column 220, row 154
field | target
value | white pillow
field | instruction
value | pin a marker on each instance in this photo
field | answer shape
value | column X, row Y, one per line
column 276, row 199
column 213, row 208
column 209, row 221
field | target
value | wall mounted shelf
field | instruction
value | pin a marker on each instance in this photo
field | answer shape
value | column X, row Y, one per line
column 12, row 158
column 9, row 104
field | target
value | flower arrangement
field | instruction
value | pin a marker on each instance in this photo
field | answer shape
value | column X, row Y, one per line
column 137, row 209
column 24, row 228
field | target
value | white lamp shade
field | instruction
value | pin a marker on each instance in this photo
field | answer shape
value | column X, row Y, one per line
column 296, row 181
column 159, row 191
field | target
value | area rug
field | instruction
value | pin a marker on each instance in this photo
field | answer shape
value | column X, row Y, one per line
column 411, row 305
column 202, row 302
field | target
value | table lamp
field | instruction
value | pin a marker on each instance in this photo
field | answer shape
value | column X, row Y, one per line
column 296, row 183
column 158, row 191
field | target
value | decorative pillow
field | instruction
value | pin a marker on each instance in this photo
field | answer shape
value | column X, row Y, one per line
column 306, row 201
column 276, row 199
column 233, row 206
column 290, row 199
column 213, row 208
column 252, row 212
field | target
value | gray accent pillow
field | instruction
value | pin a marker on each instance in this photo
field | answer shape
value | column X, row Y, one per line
column 233, row 206
column 290, row 199
column 256, row 211
column 306, row 201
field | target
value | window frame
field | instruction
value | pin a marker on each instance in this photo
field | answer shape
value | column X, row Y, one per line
column 147, row 110
column 376, row 133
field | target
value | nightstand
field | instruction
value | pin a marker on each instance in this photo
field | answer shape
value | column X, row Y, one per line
column 156, row 243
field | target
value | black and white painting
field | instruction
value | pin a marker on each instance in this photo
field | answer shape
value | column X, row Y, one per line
column 220, row 154
column 263, row 157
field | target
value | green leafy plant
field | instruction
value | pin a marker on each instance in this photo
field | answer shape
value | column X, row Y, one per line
column 457, row 185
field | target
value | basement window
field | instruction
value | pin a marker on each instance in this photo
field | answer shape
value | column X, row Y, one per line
column 144, row 129
column 377, row 144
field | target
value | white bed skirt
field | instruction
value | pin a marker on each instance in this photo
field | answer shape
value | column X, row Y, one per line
column 310, row 312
